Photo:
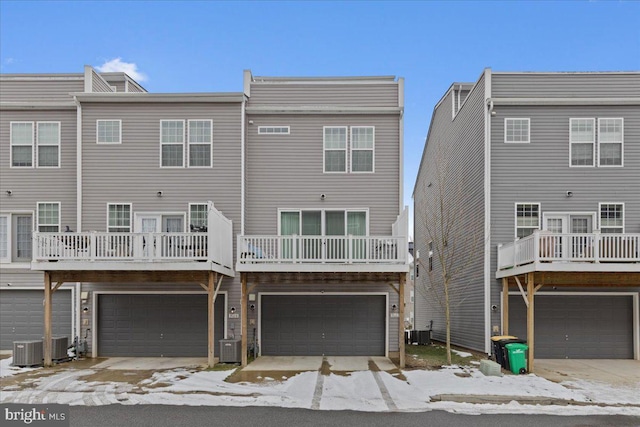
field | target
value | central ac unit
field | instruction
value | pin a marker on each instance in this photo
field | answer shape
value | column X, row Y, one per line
column 27, row 353
column 230, row 351
column 59, row 347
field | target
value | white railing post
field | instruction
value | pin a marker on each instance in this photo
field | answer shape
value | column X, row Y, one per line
column 350, row 249
column 596, row 246
column 536, row 246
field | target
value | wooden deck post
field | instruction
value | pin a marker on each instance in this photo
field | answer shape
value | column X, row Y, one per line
column 401, row 320
column 211, row 320
column 530, row 320
column 243, row 305
column 505, row 306
column 46, row 345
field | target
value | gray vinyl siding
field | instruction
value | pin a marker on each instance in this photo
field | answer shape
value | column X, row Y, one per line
column 133, row 88
column 21, row 278
column 98, row 84
column 120, row 85
column 46, row 90
column 130, row 172
column 361, row 94
column 539, row 172
column 32, row 185
column 565, row 85
column 286, row 171
column 462, row 139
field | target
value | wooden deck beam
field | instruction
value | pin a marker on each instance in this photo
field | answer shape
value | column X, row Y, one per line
column 401, row 319
column 243, row 305
column 505, row 306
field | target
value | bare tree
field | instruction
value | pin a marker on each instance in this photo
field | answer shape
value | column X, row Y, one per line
column 444, row 217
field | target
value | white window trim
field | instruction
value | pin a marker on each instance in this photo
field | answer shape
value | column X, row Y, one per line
column 32, row 145
column 611, row 203
column 346, row 149
column 262, row 130
column 582, row 142
column 515, row 217
column 38, row 224
column 188, row 128
column 38, row 144
column 184, row 140
column 569, row 214
column 322, row 217
column 351, row 149
column 119, row 133
column 183, row 215
column 7, row 259
column 188, row 225
column 506, row 141
column 130, row 214
column 621, row 142
column 10, row 214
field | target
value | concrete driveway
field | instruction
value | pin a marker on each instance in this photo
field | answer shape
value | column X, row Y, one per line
column 614, row 372
column 316, row 363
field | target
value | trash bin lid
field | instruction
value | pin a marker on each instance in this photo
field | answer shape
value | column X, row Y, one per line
column 502, row 337
column 516, row 346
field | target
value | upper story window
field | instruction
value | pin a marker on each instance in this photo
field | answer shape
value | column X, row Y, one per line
column 335, row 222
column 273, row 130
column 172, row 143
column 198, row 216
column 612, row 217
column 335, row 149
column 527, row 219
column 610, row 142
column 606, row 142
column 430, row 247
column 48, row 144
column 49, row 217
column 516, row 130
column 119, row 217
column 22, row 137
column 200, row 142
column 15, row 237
column 109, row 131
column 362, row 148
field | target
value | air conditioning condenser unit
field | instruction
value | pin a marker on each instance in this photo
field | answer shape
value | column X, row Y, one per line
column 27, row 353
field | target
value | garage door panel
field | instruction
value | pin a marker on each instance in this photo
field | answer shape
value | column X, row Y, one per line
column 22, row 315
column 577, row 326
column 155, row 325
column 323, row 325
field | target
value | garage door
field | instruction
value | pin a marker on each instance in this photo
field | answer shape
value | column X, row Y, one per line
column 156, row 325
column 577, row 326
column 22, row 315
column 314, row 325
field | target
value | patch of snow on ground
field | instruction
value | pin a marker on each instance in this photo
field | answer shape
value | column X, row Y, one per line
column 461, row 353
column 6, row 370
column 357, row 391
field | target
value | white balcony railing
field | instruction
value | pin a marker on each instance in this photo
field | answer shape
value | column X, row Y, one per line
column 215, row 245
column 322, row 249
column 595, row 247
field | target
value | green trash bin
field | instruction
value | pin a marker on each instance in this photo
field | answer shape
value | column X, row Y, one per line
column 517, row 354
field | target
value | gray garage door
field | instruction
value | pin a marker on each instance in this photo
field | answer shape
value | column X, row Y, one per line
column 313, row 325
column 156, row 325
column 578, row 326
column 22, row 315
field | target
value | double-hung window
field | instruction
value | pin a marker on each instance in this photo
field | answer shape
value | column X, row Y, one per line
column 109, row 131
column 335, row 149
column 48, row 217
column 200, row 141
column 582, row 138
column 48, row 142
column 527, row 219
column 22, row 153
column 198, row 216
column 119, row 217
column 516, row 130
column 362, row 148
column 612, row 217
column 172, row 143
column 610, row 142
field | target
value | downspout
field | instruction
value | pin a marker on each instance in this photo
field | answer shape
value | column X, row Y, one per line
column 401, row 146
column 242, row 164
column 488, row 107
column 78, row 285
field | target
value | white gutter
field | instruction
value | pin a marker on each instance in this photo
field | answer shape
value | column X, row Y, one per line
column 78, row 285
column 564, row 101
column 242, row 163
column 401, row 146
column 487, row 211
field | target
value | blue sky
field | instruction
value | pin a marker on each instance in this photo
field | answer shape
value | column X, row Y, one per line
column 204, row 46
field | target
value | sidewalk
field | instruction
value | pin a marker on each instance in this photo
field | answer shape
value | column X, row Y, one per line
column 456, row 389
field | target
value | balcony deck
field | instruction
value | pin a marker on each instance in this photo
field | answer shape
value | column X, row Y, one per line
column 588, row 252
column 339, row 254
